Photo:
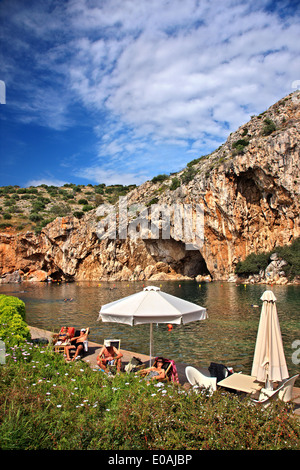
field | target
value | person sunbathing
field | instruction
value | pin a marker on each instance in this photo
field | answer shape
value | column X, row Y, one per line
column 63, row 336
column 111, row 355
column 155, row 372
column 76, row 343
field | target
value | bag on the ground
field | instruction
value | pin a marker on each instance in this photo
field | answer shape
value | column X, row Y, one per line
column 40, row 341
column 133, row 365
column 218, row 370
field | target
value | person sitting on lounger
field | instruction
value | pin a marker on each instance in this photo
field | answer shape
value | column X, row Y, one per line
column 111, row 355
column 62, row 338
column 63, row 335
column 77, row 344
column 155, row 372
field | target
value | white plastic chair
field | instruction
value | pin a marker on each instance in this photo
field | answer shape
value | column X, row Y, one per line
column 195, row 377
column 284, row 392
column 286, row 389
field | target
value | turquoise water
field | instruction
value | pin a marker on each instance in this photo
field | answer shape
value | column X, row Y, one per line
column 228, row 335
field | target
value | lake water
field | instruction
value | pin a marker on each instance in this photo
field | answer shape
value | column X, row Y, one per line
column 228, row 335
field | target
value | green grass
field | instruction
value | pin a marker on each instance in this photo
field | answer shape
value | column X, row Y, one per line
column 46, row 403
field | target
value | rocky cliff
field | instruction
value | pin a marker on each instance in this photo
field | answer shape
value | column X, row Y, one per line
column 248, row 190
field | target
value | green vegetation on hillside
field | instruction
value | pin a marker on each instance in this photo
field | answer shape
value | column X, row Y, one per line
column 255, row 262
column 269, row 127
column 239, row 146
column 34, row 207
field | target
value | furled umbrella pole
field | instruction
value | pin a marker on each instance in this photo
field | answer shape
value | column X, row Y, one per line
column 269, row 364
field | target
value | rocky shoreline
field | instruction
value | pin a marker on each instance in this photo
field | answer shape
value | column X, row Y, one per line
column 270, row 277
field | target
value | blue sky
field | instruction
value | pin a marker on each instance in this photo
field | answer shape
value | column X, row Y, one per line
column 118, row 91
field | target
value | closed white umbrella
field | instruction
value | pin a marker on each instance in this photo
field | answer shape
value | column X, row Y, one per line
column 269, row 364
column 151, row 305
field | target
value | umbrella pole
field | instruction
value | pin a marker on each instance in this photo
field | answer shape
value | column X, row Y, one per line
column 151, row 341
column 269, row 384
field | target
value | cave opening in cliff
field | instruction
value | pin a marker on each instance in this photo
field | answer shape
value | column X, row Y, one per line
column 173, row 255
column 59, row 275
column 193, row 264
column 247, row 187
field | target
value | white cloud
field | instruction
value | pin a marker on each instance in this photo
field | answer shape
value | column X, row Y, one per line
column 179, row 84
column 47, row 181
column 111, row 176
column 155, row 74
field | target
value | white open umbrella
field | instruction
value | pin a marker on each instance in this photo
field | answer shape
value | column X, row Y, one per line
column 269, row 363
column 151, row 305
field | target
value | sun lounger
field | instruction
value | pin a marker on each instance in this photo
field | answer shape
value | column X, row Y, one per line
column 85, row 344
column 59, row 346
column 170, row 370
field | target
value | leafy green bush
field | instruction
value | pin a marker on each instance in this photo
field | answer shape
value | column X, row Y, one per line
column 252, row 264
column 240, row 145
column 87, row 207
column 60, row 210
column 255, row 262
column 175, row 183
column 188, row 175
column 37, row 206
column 153, row 201
column 11, row 301
column 13, row 328
column 78, row 214
column 34, row 217
column 5, row 225
column 194, row 162
column 269, row 127
column 291, row 254
column 159, row 178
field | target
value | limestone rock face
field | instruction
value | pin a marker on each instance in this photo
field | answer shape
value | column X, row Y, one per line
column 248, row 190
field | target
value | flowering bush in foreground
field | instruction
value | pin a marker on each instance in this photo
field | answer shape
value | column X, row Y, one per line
column 46, row 403
column 13, row 328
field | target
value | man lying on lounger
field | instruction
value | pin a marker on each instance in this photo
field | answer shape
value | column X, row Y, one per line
column 77, row 344
column 107, row 355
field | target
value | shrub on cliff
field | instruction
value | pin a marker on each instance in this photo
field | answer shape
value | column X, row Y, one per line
column 252, row 264
column 34, row 217
column 239, row 146
column 269, row 127
column 87, row 207
column 255, row 262
column 188, row 175
column 175, row 184
column 159, row 178
column 291, row 254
